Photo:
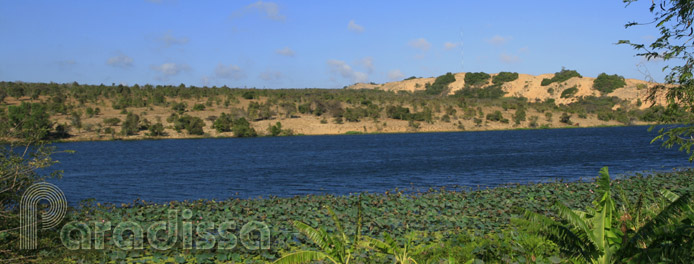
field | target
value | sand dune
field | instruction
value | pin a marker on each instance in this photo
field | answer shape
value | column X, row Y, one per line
column 529, row 86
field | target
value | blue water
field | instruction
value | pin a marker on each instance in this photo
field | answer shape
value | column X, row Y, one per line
column 165, row 170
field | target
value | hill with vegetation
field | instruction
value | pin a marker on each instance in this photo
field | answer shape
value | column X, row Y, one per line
column 450, row 102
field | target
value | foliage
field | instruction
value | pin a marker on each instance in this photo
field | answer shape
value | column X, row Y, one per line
column 242, row 128
column 489, row 92
column 519, row 116
column 440, row 84
column 179, row 108
column 276, row 130
column 28, row 121
column 565, row 118
column 569, row 92
column 476, row 78
column 673, row 19
column 495, row 116
column 601, row 235
column 131, row 124
column 504, row 77
column 608, row 83
column 199, row 107
column 561, row 76
column 336, row 247
column 223, row 123
column 156, row 130
column 192, row 124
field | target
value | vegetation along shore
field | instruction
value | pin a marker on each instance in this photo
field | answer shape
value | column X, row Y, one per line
column 450, row 102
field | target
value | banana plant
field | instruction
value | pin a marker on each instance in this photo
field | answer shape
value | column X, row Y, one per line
column 667, row 236
column 335, row 248
column 591, row 235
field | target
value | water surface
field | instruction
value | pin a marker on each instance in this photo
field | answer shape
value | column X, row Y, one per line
column 165, row 170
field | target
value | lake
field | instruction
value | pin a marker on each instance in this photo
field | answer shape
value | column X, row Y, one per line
column 221, row 168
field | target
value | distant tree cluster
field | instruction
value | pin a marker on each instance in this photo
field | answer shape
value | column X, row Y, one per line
column 608, row 83
column 489, row 92
column 561, row 76
column 440, row 84
column 569, row 92
column 476, row 78
column 504, row 77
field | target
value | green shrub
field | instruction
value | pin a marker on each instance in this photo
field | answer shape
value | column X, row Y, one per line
column 569, row 92
column 608, row 83
column 131, row 124
column 192, row 124
column 504, row 77
column 199, row 107
column 242, row 128
column 489, row 92
column 476, row 78
column 113, row 121
column 440, row 84
column 223, row 123
column 519, row 116
column 179, row 107
column 29, row 121
column 561, row 76
column 156, row 130
column 565, row 118
column 496, row 116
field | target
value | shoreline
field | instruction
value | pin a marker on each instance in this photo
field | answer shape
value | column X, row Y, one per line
column 348, row 133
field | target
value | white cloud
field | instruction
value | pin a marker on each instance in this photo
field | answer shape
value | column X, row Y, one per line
column 286, row 51
column 450, row 45
column 232, row 72
column 354, row 27
column 508, row 58
column 269, row 9
column 170, row 68
column 169, row 40
column 368, row 63
column 270, row 75
column 498, row 40
column 346, row 71
column 395, row 75
column 420, row 43
column 120, row 61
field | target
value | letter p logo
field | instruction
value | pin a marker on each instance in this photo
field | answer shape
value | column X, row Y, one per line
column 28, row 206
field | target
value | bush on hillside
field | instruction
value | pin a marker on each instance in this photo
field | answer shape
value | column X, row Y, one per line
column 476, row 78
column 504, row 77
column 561, row 76
column 608, row 83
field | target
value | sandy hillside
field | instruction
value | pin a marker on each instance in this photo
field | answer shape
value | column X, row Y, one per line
column 529, row 86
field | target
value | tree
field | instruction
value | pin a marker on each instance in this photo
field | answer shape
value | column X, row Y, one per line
column 131, row 124
column 607, row 83
column 673, row 19
column 21, row 165
column 223, row 123
column 29, row 121
column 440, row 84
column 156, row 130
column 242, row 128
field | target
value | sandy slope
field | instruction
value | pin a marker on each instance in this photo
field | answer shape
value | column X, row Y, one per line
column 528, row 86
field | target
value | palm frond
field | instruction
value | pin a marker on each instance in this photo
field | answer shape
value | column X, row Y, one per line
column 575, row 220
column 303, row 257
column 318, row 236
column 653, row 230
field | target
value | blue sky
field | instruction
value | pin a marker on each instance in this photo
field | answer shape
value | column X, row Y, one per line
column 307, row 44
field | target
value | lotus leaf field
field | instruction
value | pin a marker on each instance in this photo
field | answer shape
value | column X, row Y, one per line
column 458, row 224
